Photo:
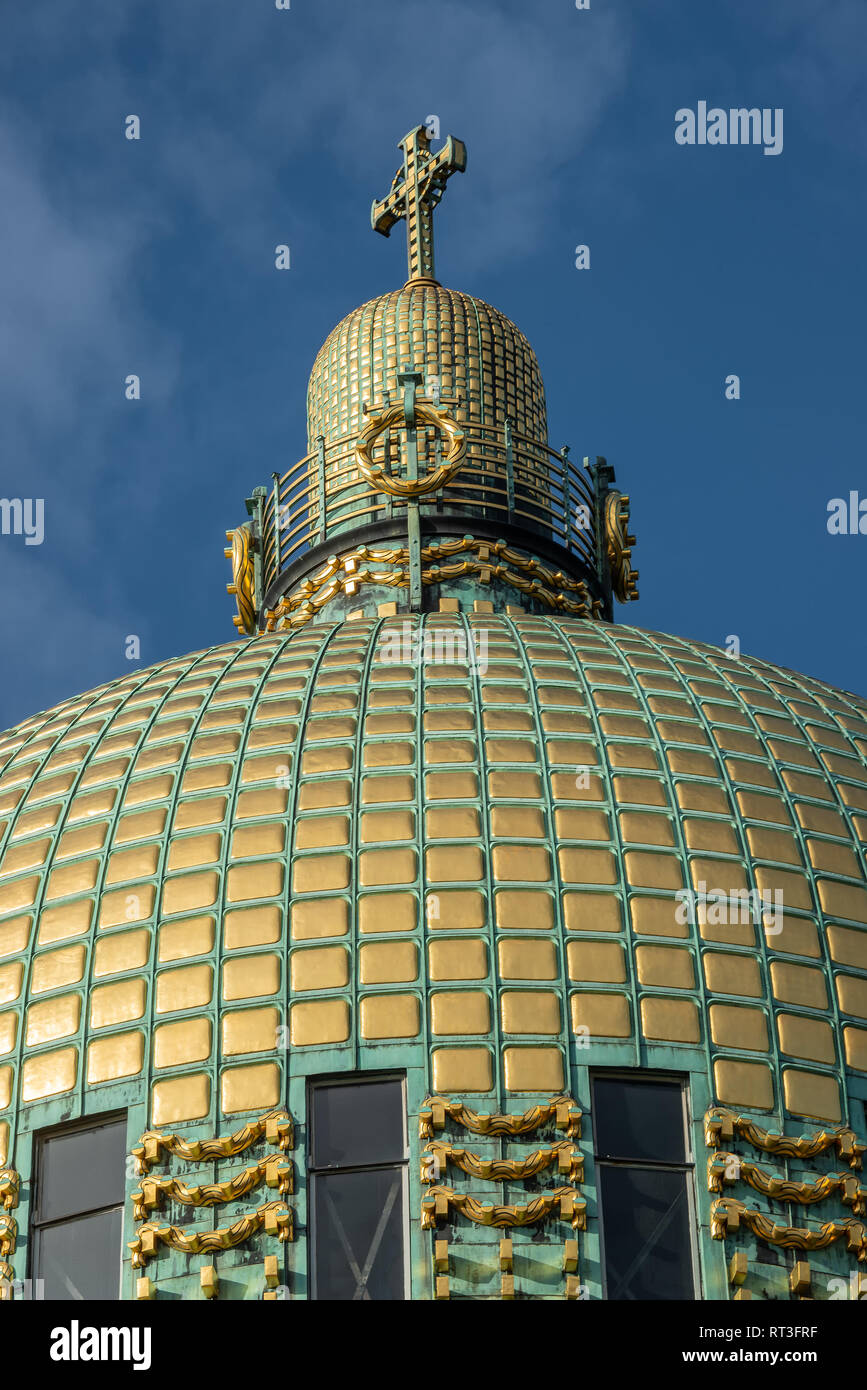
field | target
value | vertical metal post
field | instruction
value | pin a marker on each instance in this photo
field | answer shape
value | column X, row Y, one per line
column 411, row 381
column 567, row 496
column 510, row 467
column 603, row 476
column 255, row 508
column 276, row 495
column 320, row 482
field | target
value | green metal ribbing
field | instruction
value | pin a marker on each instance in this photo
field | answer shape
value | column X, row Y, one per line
column 410, row 382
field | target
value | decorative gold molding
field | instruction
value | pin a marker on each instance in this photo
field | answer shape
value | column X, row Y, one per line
column 618, row 542
column 274, row 1170
column 390, row 483
column 728, row 1168
column 562, row 1110
column 241, row 555
column 562, row 1203
column 728, row 1214
column 274, row 1218
column 8, row 1235
column 720, row 1126
column 10, row 1188
column 275, row 1127
column 570, row 1163
column 490, row 560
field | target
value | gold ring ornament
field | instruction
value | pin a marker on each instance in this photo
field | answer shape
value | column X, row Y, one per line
column 624, row 578
column 404, row 487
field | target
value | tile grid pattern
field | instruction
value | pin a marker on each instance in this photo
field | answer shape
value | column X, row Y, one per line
column 169, row 820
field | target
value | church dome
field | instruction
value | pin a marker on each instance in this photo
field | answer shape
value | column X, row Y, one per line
column 470, row 355
column 439, row 905
column 457, row 866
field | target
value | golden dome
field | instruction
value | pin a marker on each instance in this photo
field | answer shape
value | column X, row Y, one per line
column 474, row 358
column 296, row 827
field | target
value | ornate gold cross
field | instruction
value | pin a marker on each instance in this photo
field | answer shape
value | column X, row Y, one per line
column 415, row 191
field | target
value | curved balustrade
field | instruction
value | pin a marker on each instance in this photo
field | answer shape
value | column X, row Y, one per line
column 506, row 477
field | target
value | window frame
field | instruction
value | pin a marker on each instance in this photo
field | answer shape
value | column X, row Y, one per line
column 37, row 1224
column 638, row 1076
column 314, row 1171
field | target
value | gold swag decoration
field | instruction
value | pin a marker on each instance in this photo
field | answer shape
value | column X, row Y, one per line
column 405, row 487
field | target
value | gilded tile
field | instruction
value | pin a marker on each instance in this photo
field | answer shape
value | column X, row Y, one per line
column 652, row 870
column 667, row 967
column 743, row 1083
column 809, row 1038
column 247, row 977
column 388, row 962
column 812, row 1095
column 318, row 1022
column 123, row 1002
column 246, row 882
column 727, row 973
column 530, row 1011
column 49, row 1074
column 323, row 917
column 180, row 1098
column 799, row 984
column 249, row 1030
column 669, row 1020
column 189, row 892
column 250, row 1089
column 855, row 1043
column 734, row 1026
column 464, row 1070
column 533, row 1069
column 600, row 1015
column 595, row 962
column 55, row 969
column 596, row 912
column 189, row 987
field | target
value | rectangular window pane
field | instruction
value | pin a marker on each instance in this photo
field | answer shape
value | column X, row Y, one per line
column 359, row 1247
column 359, row 1124
column 81, row 1259
column 82, row 1171
column 645, row 1214
column 641, row 1120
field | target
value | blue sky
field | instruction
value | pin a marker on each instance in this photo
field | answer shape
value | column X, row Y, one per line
column 261, row 127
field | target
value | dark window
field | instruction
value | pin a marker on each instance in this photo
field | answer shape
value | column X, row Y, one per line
column 77, row 1225
column 644, row 1179
column 358, row 1189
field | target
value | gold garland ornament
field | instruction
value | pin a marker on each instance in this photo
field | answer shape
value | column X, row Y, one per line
column 436, row 478
column 725, row 1168
column 274, row 1218
column 275, row 1127
column 721, row 1125
column 314, row 593
column 727, row 1215
column 274, row 1170
column 570, row 1163
column 10, row 1187
column 10, row 1191
column 8, row 1236
column 619, row 544
column 241, row 555
column 562, row 1203
column 561, row 1109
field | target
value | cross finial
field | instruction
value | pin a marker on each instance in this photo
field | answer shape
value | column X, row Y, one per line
column 415, row 191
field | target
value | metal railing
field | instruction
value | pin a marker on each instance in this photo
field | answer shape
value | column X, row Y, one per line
column 506, row 477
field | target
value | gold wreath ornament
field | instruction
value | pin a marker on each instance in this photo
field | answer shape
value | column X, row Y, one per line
column 241, row 555
column 404, row 487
